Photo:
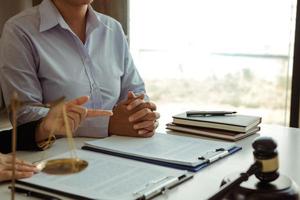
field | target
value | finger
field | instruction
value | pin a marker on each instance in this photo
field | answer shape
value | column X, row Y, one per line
column 79, row 110
column 139, row 115
column 157, row 115
column 20, row 175
column 79, row 101
column 98, row 112
column 145, row 133
column 130, row 95
column 149, row 125
column 76, row 119
column 135, row 103
column 151, row 106
column 144, row 114
column 73, row 119
column 152, row 116
column 134, row 97
column 149, row 129
column 21, row 168
column 8, row 159
column 22, row 162
column 7, row 175
column 24, row 168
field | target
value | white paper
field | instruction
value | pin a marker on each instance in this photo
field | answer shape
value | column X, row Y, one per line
column 163, row 147
column 107, row 177
column 4, row 121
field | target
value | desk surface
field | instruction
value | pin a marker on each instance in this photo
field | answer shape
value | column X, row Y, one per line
column 207, row 181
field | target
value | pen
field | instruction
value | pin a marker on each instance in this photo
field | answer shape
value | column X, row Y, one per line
column 208, row 113
column 31, row 193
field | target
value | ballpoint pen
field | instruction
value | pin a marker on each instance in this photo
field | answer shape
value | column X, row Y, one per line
column 32, row 193
column 208, row 113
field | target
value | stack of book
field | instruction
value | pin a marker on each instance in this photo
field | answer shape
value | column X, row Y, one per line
column 231, row 127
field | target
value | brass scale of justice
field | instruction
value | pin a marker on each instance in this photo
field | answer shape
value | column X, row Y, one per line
column 60, row 166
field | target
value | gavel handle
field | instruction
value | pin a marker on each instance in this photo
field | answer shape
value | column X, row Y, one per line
column 231, row 185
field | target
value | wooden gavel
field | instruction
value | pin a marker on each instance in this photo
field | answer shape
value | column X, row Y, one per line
column 265, row 168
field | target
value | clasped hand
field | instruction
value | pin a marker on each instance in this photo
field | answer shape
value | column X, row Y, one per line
column 134, row 117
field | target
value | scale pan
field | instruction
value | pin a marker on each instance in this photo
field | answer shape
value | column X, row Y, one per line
column 62, row 166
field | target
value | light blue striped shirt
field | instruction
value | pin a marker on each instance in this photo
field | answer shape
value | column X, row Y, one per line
column 42, row 59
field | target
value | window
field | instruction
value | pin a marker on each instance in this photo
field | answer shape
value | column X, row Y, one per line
column 214, row 54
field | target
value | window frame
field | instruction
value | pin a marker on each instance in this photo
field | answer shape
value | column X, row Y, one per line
column 295, row 89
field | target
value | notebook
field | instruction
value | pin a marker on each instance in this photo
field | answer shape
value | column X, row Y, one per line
column 165, row 149
column 214, row 133
column 237, row 123
column 108, row 178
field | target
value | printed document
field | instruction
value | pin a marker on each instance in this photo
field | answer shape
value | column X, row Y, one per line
column 109, row 177
column 163, row 147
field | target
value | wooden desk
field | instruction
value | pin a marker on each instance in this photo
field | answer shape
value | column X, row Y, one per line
column 207, row 181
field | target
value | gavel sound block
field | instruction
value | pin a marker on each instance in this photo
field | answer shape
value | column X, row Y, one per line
column 267, row 183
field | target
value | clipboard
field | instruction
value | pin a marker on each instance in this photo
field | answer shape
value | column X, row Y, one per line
column 206, row 160
column 31, row 190
column 151, row 180
column 120, row 146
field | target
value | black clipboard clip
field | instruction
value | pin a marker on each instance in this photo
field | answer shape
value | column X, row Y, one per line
column 215, row 155
column 155, row 187
column 160, row 186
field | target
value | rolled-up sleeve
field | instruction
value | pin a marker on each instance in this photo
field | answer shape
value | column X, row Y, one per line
column 18, row 72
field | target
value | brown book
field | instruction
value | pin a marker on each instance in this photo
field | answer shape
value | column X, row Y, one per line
column 214, row 133
column 236, row 123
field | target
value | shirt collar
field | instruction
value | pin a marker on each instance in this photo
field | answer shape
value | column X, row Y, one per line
column 50, row 17
column 92, row 21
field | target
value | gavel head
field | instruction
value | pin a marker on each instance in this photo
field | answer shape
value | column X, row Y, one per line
column 266, row 154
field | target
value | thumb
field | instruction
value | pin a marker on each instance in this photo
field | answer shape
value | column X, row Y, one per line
column 79, row 101
column 133, row 96
column 130, row 95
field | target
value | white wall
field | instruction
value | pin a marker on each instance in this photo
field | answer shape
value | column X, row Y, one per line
column 8, row 8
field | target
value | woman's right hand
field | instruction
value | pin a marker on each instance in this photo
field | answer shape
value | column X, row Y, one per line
column 54, row 121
